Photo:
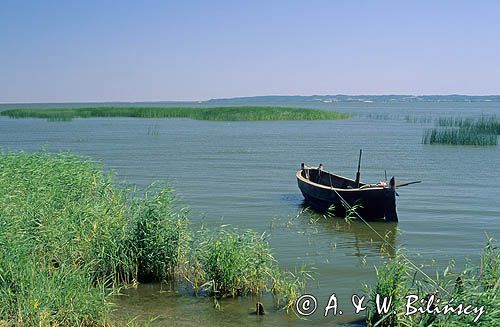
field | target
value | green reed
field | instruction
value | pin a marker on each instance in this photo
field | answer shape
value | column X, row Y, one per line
column 64, row 239
column 214, row 114
column 233, row 262
column 153, row 130
column 418, row 119
column 161, row 237
column 458, row 136
column 485, row 125
column 69, row 240
column 477, row 285
column 464, row 131
column 392, row 282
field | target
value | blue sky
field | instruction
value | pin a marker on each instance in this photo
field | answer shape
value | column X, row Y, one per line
column 57, row 51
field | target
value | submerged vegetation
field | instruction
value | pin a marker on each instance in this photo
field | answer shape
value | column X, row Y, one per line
column 214, row 114
column 464, row 131
column 69, row 240
column 476, row 286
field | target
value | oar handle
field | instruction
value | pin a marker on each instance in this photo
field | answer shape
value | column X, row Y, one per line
column 409, row 183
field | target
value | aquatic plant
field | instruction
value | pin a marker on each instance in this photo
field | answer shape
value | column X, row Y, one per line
column 458, row 136
column 69, row 240
column 214, row 114
column 64, row 240
column 288, row 286
column 233, row 262
column 464, row 131
column 153, row 130
column 418, row 119
column 392, row 282
column 230, row 262
column 477, row 285
column 484, row 124
column 160, row 236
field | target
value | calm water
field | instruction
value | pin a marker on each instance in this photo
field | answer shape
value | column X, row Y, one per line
column 242, row 173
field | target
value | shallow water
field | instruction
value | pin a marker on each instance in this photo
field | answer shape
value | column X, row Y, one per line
column 242, row 173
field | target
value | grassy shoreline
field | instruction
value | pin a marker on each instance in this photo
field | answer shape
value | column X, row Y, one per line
column 69, row 240
column 243, row 113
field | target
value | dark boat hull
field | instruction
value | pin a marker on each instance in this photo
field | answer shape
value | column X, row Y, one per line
column 371, row 203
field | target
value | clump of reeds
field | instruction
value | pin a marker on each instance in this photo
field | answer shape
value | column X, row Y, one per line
column 464, row 131
column 418, row 119
column 65, row 240
column 215, row 114
column 231, row 262
column 458, row 136
column 153, row 130
column 288, row 286
column 484, row 124
column 161, row 237
column 392, row 282
column 69, row 239
column 477, row 286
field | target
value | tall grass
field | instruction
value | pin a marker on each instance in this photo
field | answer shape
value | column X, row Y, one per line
column 230, row 262
column 234, row 262
column 64, row 239
column 458, row 136
column 161, row 237
column 69, row 240
column 487, row 125
column 214, row 114
column 464, row 131
column 477, row 285
column 392, row 282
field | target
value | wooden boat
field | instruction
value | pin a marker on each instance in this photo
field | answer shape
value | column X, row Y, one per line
column 322, row 189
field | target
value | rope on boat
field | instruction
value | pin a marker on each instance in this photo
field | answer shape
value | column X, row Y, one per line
column 344, row 202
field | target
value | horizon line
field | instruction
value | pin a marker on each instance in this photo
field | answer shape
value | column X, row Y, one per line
column 251, row 96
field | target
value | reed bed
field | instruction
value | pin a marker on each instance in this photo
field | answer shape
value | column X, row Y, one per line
column 458, row 136
column 212, row 114
column 230, row 262
column 64, row 241
column 418, row 119
column 160, row 235
column 477, row 285
column 486, row 125
column 233, row 262
column 415, row 119
column 69, row 240
column 464, row 131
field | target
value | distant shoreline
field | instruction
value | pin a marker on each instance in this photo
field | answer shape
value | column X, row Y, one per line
column 364, row 98
column 337, row 98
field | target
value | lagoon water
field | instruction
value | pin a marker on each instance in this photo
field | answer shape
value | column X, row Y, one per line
column 243, row 174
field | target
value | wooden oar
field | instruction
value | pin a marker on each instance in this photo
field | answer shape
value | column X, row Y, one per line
column 409, row 183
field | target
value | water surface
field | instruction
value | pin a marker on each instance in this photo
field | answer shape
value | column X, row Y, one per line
column 242, row 173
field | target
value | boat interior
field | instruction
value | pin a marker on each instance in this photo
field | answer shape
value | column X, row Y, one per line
column 319, row 176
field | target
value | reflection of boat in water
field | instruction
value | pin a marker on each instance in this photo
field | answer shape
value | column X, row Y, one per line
column 323, row 189
column 374, row 239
